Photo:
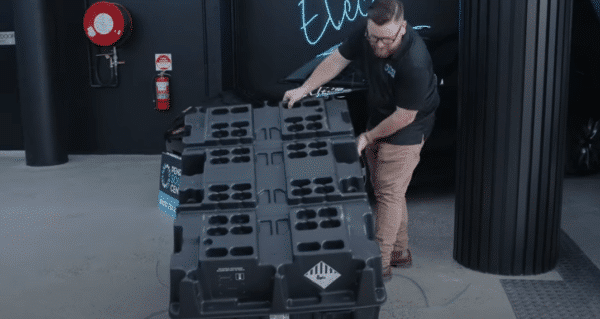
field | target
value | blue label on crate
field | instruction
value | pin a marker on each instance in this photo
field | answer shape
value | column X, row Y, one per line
column 170, row 174
column 167, row 204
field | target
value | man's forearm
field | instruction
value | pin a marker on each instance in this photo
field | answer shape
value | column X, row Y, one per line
column 325, row 71
column 320, row 76
column 393, row 123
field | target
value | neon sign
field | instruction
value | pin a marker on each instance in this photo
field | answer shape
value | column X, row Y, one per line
column 330, row 21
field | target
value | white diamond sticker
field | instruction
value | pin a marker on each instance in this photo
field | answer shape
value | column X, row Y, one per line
column 322, row 275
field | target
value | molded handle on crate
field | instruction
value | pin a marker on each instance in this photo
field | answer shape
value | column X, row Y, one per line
column 187, row 293
column 367, row 295
column 280, row 297
column 190, row 189
column 367, row 288
column 363, row 165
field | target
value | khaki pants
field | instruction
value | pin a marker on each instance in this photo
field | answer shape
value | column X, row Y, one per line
column 391, row 168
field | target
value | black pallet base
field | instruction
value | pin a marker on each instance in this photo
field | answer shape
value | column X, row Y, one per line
column 362, row 313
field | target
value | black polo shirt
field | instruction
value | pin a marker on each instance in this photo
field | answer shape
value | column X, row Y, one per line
column 405, row 80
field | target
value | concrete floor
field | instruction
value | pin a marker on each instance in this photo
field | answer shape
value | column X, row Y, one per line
column 87, row 240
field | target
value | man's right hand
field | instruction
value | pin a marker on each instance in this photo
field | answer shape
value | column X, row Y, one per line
column 325, row 71
column 295, row 95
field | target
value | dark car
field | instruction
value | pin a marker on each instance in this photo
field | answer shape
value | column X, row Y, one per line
column 583, row 128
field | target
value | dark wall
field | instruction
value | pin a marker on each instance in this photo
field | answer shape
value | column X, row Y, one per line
column 75, row 92
column 11, row 131
column 585, row 66
column 271, row 44
column 227, row 51
column 123, row 120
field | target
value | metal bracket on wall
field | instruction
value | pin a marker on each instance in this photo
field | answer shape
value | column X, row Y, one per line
column 95, row 78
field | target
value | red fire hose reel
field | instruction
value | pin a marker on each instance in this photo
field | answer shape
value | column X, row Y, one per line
column 107, row 23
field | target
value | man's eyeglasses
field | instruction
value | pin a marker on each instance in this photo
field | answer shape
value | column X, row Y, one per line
column 384, row 40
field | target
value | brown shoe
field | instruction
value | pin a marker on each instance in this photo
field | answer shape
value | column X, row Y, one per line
column 401, row 262
column 387, row 274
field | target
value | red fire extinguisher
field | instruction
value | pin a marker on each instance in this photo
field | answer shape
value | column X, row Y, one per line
column 163, row 98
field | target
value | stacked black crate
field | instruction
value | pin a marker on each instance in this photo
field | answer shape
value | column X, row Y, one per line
column 273, row 220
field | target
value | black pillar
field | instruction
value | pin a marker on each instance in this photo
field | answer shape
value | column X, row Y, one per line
column 37, row 60
column 513, row 84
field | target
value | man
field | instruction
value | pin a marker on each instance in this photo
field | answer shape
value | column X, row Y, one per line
column 402, row 100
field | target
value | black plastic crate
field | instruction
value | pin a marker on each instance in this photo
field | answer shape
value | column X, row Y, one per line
column 310, row 118
column 268, row 260
column 246, row 124
column 275, row 223
column 223, row 125
column 309, row 171
column 217, row 178
column 301, row 172
column 323, row 170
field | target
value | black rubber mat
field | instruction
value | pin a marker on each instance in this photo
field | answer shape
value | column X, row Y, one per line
column 576, row 296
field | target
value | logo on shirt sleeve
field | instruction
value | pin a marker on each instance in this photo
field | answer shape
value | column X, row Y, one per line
column 388, row 68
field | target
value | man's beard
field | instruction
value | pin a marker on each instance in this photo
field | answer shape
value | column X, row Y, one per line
column 383, row 53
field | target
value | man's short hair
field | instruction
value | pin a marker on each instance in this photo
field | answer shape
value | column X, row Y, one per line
column 383, row 11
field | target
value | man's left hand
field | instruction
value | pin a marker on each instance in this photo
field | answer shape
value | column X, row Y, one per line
column 361, row 143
